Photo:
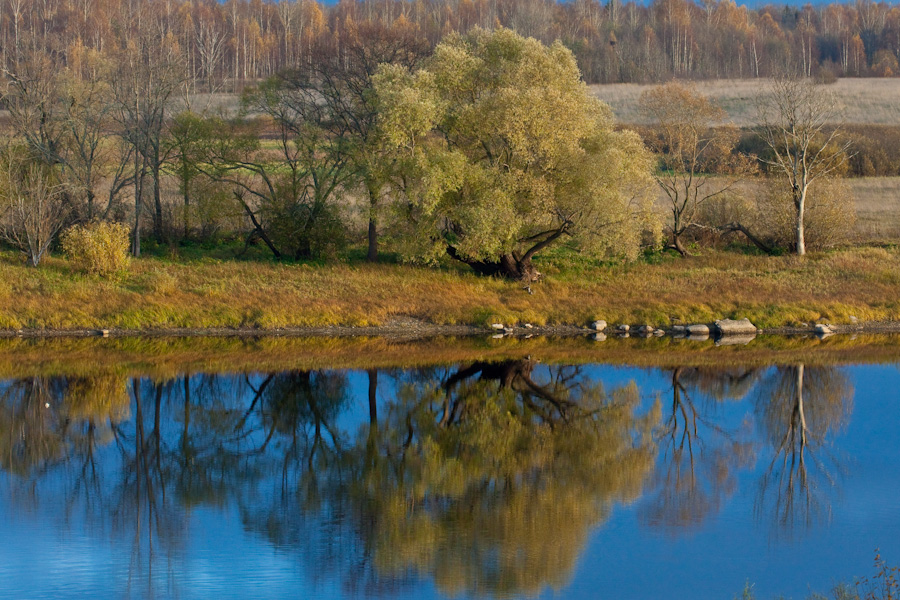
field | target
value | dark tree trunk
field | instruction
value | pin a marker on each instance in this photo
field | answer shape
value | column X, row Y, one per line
column 90, row 205
column 373, row 396
column 372, row 255
column 509, row 266
column 157, row 203
column 138, row 203
column 732, row 227
column 677, row 245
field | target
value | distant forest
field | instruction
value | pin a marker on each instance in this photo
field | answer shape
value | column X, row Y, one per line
column 225, row 44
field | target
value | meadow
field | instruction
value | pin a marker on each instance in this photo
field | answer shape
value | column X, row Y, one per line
column 872, row 101
column 202, row 293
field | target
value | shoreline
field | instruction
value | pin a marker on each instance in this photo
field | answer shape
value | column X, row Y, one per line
column 409, row 329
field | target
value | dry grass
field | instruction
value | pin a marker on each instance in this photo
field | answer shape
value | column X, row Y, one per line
column 864, row 100
column 771, row 291
column 877, row 208
column 876, row 201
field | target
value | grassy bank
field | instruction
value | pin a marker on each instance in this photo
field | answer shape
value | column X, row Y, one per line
column 206, row 293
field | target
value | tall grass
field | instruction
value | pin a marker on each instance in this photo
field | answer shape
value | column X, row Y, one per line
column 156, row 293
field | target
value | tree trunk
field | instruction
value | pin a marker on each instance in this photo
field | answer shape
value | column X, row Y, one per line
column 677, row 245
column 90, row 204
column 157, row 203
column 732, row 227
column 138, row 201
column 372, row 255
column 509, row 266
column 801, row 234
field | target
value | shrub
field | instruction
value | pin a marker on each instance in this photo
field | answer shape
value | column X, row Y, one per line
column 829, row 217
column 98, row 248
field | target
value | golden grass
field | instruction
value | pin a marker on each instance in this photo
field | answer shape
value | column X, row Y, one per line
column 771, row 291
column 863, row 100
column 875, row 199
column 877, row 202
column 164, row 358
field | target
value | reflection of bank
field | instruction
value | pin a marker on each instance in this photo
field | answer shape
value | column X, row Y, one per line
column 797, row 409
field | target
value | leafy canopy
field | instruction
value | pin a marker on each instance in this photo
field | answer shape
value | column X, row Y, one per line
column 501, row 150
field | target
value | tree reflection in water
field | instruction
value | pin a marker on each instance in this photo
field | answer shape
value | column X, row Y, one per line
column 699, row 454
column 798, row 409
column 489, row 479
column 486, row 478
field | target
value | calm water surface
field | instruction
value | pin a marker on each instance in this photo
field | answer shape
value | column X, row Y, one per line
column 510, row 479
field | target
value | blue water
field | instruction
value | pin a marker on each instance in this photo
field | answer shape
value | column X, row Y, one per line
column 232, row 506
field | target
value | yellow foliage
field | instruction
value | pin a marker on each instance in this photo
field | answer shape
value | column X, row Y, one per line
column 98, row 248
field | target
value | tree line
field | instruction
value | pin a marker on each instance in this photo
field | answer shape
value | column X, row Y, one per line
column 225, row 44
column 486, row 149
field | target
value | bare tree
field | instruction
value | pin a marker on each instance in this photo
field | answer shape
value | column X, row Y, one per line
column 691, row 145
column 800, row 125
column 149, row 76
column 33, row 207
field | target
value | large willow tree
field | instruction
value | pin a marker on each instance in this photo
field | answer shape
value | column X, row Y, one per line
column 500, row 152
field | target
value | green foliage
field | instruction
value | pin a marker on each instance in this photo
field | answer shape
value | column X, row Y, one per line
column 99, row 248
column 501, row 150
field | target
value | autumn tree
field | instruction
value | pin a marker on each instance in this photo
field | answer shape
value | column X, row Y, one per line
column 798, row 127
column 696, row 156
column 505, row 153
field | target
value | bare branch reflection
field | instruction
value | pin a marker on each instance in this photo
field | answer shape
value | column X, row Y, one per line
column 798, row 409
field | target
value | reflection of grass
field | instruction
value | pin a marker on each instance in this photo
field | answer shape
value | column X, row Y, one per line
column 165, row 357
column 207, row 293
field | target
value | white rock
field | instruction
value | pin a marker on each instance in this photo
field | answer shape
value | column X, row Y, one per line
column 598, row 325
column 732, row 327
column 623, row 327
column 497, row 326
column 529, row 326
column 823, row 329
column 599, row 337
column 698, row 329
column 648, row 329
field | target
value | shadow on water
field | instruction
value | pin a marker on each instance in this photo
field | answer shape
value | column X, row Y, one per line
column 485, row 477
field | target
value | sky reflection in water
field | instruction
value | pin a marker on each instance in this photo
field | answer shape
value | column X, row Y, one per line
column 477, row 480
